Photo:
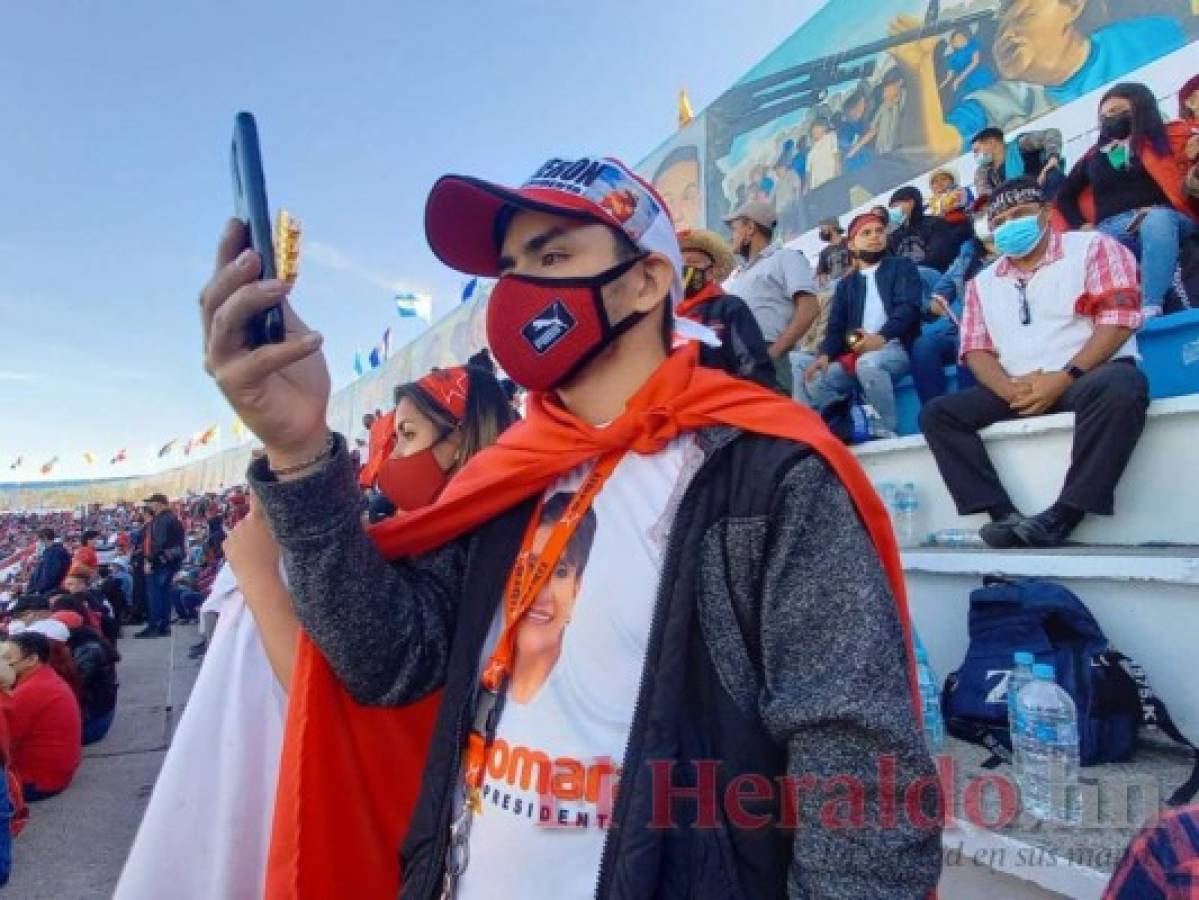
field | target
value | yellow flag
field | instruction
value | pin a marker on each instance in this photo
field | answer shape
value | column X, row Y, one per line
column 89, row 458
column 685, row 113
column 239, row 429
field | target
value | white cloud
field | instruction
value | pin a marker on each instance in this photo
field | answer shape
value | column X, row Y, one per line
column 331, row 258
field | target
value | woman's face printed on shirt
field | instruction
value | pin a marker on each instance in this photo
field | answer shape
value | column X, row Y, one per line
column 542, row 628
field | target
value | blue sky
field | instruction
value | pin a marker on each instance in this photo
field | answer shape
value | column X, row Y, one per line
column 114, row 170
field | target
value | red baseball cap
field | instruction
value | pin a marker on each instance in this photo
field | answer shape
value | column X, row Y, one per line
column 462, row 212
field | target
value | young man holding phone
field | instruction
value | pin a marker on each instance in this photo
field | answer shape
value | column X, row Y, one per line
column 743, row 619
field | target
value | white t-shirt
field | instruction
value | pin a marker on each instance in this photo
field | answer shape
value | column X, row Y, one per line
column 548, row 789
column 874, row 316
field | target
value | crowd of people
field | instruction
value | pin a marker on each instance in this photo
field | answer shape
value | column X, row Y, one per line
column 70, row 582
column 1029, row 290
column 482, row 577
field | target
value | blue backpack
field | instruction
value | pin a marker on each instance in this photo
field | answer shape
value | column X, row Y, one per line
column 1110, row 691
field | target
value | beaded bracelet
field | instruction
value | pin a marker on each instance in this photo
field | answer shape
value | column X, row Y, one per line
column 330, row 444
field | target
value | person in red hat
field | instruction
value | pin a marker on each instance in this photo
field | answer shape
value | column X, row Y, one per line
column 734, row 539
column 873, row 321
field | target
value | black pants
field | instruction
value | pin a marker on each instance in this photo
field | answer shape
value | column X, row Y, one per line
column 1109, row 404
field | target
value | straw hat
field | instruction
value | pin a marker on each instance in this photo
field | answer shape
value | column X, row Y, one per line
column 711, row 245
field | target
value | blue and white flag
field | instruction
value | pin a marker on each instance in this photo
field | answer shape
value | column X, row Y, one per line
column 411, row 305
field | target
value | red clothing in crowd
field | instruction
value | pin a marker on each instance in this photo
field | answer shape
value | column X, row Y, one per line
column 88, row 557
column 382, row 442
column 45, row 729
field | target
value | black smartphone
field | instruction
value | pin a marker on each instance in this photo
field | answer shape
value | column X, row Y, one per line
column 249, row 201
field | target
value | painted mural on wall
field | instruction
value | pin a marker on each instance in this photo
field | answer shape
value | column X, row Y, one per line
column 865, row 97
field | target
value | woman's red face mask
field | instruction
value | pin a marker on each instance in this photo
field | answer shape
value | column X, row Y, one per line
column 412, row 482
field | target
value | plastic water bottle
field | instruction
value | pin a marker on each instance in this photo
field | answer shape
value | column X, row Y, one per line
column 1049, row 723
column 1020, row 676
column 886, row 493
column 930, row 700
column 906, row 506
column 955, row 538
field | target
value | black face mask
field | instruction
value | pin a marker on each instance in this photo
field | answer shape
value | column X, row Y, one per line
column 745, row 248
column 826, row 236
column 1116, row 128
column 695, row 279
column 870, row 257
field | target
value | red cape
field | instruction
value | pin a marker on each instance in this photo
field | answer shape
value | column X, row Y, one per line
column 350, row 775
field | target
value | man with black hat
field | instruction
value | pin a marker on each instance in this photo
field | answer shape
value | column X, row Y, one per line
column 775, row 282
column 165, row 550
column 1048, row 328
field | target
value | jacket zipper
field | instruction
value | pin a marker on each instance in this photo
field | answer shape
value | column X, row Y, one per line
column 437, row 870
column 665, row 584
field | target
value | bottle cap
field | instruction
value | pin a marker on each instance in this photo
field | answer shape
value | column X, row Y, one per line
column 1024, row 658
column 1045, row 671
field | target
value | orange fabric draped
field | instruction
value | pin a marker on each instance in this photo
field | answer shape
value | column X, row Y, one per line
column 691, row 304
column 381, row 442
column 350, row 774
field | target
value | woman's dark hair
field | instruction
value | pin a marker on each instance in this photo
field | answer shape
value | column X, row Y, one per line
column 32, row 642
column 913, row 196
column 90, row 535
column 1147, row 124
column 85, row 634
column 63, row 662
column 488, row 413
column 76, row 603
column 578, row 549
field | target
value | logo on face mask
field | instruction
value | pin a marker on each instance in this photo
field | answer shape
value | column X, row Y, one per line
column 549, row 327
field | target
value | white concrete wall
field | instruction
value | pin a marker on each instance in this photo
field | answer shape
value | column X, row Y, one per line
column 1157, row 500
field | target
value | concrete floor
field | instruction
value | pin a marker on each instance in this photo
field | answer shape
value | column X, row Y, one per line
column 75, row 844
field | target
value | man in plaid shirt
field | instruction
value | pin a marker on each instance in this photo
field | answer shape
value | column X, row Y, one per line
column 1048, row 328
column 1162, row 861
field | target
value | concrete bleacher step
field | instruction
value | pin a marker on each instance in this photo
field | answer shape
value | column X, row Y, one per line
column 1157, row 501
column 994, row 849
column 1147, row 602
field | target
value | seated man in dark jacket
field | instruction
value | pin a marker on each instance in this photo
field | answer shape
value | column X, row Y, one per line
column 874, row 319
column 743, row 351
column 52, row 565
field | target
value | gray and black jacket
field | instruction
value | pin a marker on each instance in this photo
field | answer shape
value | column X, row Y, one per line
column 775, row 650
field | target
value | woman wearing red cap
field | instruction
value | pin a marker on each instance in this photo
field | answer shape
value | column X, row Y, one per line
column 209, row 792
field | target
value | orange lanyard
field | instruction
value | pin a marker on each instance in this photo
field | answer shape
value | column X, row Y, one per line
column 529, row 575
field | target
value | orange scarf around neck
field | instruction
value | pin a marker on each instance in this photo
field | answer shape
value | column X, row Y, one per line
column 350, row 775
column 710, row 291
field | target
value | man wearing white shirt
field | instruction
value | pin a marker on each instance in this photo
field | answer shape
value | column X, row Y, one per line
column 1048, row 328
column 775, row 282
column 874, row 318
